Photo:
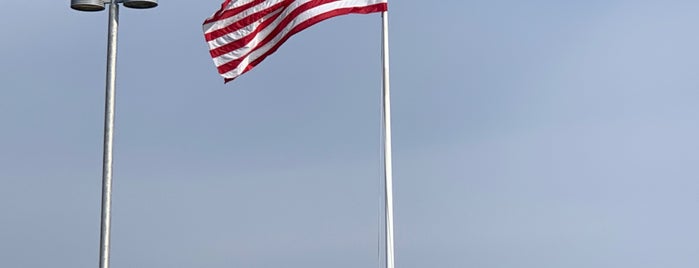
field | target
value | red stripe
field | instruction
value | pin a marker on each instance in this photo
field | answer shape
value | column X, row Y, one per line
column 260, row 16
column 238, row 43
column 242, row 23
column 220, row 10
column 278, row 28
column 224, row 13
column 300, row 27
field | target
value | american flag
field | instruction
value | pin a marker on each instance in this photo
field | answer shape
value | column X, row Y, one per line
column 244, row 32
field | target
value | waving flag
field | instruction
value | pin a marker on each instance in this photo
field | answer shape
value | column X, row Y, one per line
column 244, row 32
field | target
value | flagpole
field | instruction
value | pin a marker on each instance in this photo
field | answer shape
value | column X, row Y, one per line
column 105, row 231
column 388, row 165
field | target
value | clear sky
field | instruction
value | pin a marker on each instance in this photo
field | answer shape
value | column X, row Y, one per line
column 527, row 134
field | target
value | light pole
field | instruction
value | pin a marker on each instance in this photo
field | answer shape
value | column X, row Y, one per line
column 98, row 5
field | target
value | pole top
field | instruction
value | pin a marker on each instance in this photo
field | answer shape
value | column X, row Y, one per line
column 99, row 5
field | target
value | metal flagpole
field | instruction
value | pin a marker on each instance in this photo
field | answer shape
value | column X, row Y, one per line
column 388, row 166
column 105, row 231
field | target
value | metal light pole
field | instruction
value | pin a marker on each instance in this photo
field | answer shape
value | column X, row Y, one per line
column 98, row 5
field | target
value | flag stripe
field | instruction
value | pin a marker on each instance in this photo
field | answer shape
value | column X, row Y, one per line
column 244, row 32
column 242, row 19
column 267, row 34
column 218, row 13
column 232, row 45
column 228, row 6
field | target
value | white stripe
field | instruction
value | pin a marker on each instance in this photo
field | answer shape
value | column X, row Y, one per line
column 243, row 32
column 233, row 4
column 244, row 50
column 298, row 20
column 220, row 24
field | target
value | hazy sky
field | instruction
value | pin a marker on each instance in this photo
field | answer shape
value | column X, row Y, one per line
column 527, row 134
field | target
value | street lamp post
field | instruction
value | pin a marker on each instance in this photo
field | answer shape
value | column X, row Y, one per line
column 98, row 5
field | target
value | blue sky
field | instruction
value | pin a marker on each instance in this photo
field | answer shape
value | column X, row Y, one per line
column 526, row 134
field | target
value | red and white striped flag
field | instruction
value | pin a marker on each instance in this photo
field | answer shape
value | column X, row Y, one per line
column 244, row 32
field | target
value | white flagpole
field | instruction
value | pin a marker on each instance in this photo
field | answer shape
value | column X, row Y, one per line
column 388, row 166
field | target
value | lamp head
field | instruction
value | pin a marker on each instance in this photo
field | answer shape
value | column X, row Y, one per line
column 141, row 4
column 87, row 5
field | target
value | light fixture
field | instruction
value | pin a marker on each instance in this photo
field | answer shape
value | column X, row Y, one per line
column 141, row 4
column 87, row 5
